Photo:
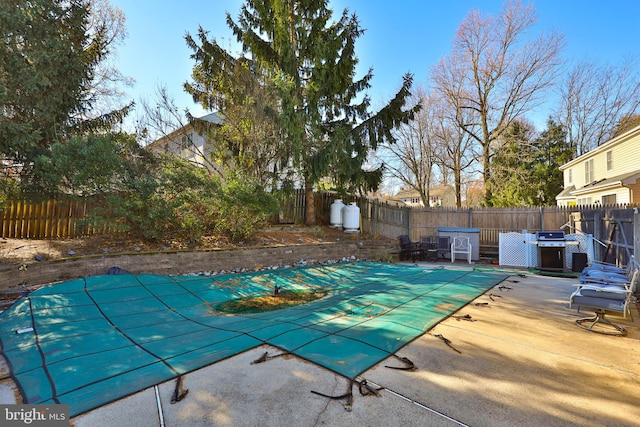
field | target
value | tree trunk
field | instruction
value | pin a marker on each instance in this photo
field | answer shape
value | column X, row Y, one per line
column 310, row 205
column 486, row 175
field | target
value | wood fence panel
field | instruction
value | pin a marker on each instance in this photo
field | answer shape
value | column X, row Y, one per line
column 23, row 219
column 613, row 229
column 391, row 220
column 611, row 225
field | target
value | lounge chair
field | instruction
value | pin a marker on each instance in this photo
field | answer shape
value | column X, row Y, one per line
column 612, row 268
column 604, row 297
column 609, row 275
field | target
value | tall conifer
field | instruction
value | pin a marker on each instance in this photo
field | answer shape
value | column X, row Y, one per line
column 327, row 127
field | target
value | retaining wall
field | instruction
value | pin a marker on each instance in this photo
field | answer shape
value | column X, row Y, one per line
column 179, row 262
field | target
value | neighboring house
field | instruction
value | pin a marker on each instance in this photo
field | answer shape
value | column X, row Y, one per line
column 187, row 143
column 609, row 174
column 441, row 196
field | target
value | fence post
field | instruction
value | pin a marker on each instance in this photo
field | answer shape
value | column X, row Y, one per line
column 597, row 223
column 636, row 233
column 375, row 208
column 542, row 218
column 470, row 217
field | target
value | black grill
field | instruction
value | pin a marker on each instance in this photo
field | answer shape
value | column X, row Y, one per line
column 551, row 239
column 551, row 250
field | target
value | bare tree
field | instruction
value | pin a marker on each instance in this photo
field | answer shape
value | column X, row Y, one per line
column 496, row 74
column 163, row 119
column 159, row 118
column 595, row 98
column 411, row 158
column 106, row 25
column 430, row 149
column 454, row 153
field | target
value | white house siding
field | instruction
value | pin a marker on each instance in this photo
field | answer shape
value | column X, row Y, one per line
column 625, row 152
column 622, row 195
column 626, row 158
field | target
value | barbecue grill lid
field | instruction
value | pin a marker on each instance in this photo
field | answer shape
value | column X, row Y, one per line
column 550, row 235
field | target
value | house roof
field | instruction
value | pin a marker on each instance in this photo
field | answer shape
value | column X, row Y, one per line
column 566, row 193
column 616, row 181
column 606, row 146
column 404, row 194
column 440, row 190
column 214, row 118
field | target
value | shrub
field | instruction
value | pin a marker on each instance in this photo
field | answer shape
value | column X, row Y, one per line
column 243, row 208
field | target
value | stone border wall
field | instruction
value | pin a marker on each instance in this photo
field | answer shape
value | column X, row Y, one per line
column 179, row 262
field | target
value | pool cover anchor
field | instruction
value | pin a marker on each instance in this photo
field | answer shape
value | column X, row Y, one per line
column 363, row 387
column 409, row 365
column 179, row 393
column 348, row 406
column 369, row 389
column 466, row 317
column 447, row 342
column 265, row 356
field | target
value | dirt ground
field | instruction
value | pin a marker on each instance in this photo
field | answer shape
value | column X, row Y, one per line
column 14, row 251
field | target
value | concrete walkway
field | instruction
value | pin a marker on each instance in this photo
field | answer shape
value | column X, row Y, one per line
column 520, row 362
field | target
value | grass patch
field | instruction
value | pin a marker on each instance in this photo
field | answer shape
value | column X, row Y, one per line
column 283, row 299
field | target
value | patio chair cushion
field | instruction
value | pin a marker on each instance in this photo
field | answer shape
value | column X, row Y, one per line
column 606, row 291
column 604, row 278
column 604, row 274
column 606, row 303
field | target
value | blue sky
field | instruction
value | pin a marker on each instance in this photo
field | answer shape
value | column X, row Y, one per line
column 401, row 36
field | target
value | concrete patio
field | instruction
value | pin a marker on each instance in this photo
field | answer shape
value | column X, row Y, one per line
column 520, row 361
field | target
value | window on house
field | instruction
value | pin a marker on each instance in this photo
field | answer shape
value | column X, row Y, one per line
column 186, row 142
column 609, row 199
column 583, row 201
column 609, row 160
column 588, row 171
column 570, row 176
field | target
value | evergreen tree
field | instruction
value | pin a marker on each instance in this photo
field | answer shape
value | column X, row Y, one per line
column 327, row 130
column 50, row 55
column 527, row 167
column 512, row 166
column 553, row 151
column 43, row 69
column 247, row 140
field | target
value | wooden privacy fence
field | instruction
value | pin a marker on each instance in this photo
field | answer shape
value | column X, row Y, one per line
column 22, row 219
column 391, row 219
column 490, row 221
column 614, row 230
column 615, row 227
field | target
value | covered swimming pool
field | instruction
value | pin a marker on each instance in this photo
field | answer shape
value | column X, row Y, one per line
column 93, row 340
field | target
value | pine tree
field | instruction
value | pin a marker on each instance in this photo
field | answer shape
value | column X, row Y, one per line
column 527, row 167
column 43, row 68
column 554, row 150
column 50, row 57
column 247, row 140
column 327, row 128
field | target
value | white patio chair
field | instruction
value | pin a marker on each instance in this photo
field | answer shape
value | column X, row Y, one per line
column 461, row 245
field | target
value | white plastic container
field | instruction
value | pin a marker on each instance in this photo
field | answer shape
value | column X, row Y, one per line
column 351, row 218
column 335, row 216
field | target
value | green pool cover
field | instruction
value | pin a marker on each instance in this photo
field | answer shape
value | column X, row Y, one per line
column 90, row 341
